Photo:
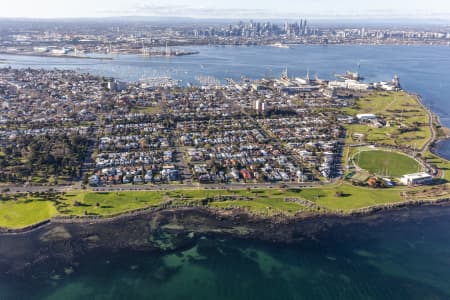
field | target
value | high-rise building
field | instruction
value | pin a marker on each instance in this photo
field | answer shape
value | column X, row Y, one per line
column 260, row 106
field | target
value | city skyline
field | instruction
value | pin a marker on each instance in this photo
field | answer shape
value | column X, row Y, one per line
column 233, row 9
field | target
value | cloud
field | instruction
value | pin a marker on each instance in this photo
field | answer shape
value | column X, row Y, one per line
column 183, row 10
column 172, row 9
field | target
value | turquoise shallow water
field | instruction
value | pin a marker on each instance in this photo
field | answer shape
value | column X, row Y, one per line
column 408, row 260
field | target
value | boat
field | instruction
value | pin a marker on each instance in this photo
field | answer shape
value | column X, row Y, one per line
column 351, row 75
column 280, row 45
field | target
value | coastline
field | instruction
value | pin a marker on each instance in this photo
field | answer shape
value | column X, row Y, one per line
column 275, row 219
column 169, row 230
column 435, row 124
column 53, row 56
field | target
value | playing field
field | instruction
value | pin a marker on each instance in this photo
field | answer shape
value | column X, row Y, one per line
column 386, row 163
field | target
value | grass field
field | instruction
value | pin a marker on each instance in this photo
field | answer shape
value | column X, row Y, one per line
column 29, row 210
column 261, row 201
column 107, row 203
column 25, row 212
column 265, row 202
column 400, row 110
column 386, row 163
column 351, row 197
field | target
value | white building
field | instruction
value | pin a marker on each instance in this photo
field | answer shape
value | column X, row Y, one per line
column 349, row 84
column 416, row 178
column 393, row 85
column 62, row 51
column 260, row 106
column 363, row 117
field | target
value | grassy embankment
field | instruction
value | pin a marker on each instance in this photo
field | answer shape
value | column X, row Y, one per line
column 31, row 209
column 442, row 164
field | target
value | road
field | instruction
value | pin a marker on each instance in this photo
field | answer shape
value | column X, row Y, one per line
column 431, row 125
column 162, row 187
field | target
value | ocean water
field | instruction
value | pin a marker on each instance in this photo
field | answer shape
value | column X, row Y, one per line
column 394, row 260
column 443, row 149
column 422, row 69
column 406, row 260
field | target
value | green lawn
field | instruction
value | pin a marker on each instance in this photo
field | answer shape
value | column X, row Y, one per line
column 393, row 105
column 106, row 204
column 263, row 206
column 386, row 163
column 400, row 110
column 260, row 201
column 23, row 213
column 352, row 197
column 28, row 210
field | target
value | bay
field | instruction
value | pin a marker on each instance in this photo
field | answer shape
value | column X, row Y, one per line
column 391, row 260
column 424, row 70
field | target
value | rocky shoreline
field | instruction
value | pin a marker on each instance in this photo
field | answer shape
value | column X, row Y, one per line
column 64, row 240
column 367, row 211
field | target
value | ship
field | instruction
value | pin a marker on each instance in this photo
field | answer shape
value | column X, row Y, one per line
column 280, row 45
column 351, row 75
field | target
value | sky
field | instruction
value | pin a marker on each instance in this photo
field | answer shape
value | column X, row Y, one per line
column 237, row 9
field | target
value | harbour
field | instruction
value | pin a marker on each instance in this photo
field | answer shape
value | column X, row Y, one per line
column 426, row 76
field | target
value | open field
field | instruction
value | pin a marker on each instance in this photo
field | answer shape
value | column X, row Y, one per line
column 407, row 121
column 107, row 203
column 386, row 163
column 30, row 209
column 25, row 212
column 350, row 197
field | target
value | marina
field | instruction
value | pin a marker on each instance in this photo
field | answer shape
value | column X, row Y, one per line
column 426, row 76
